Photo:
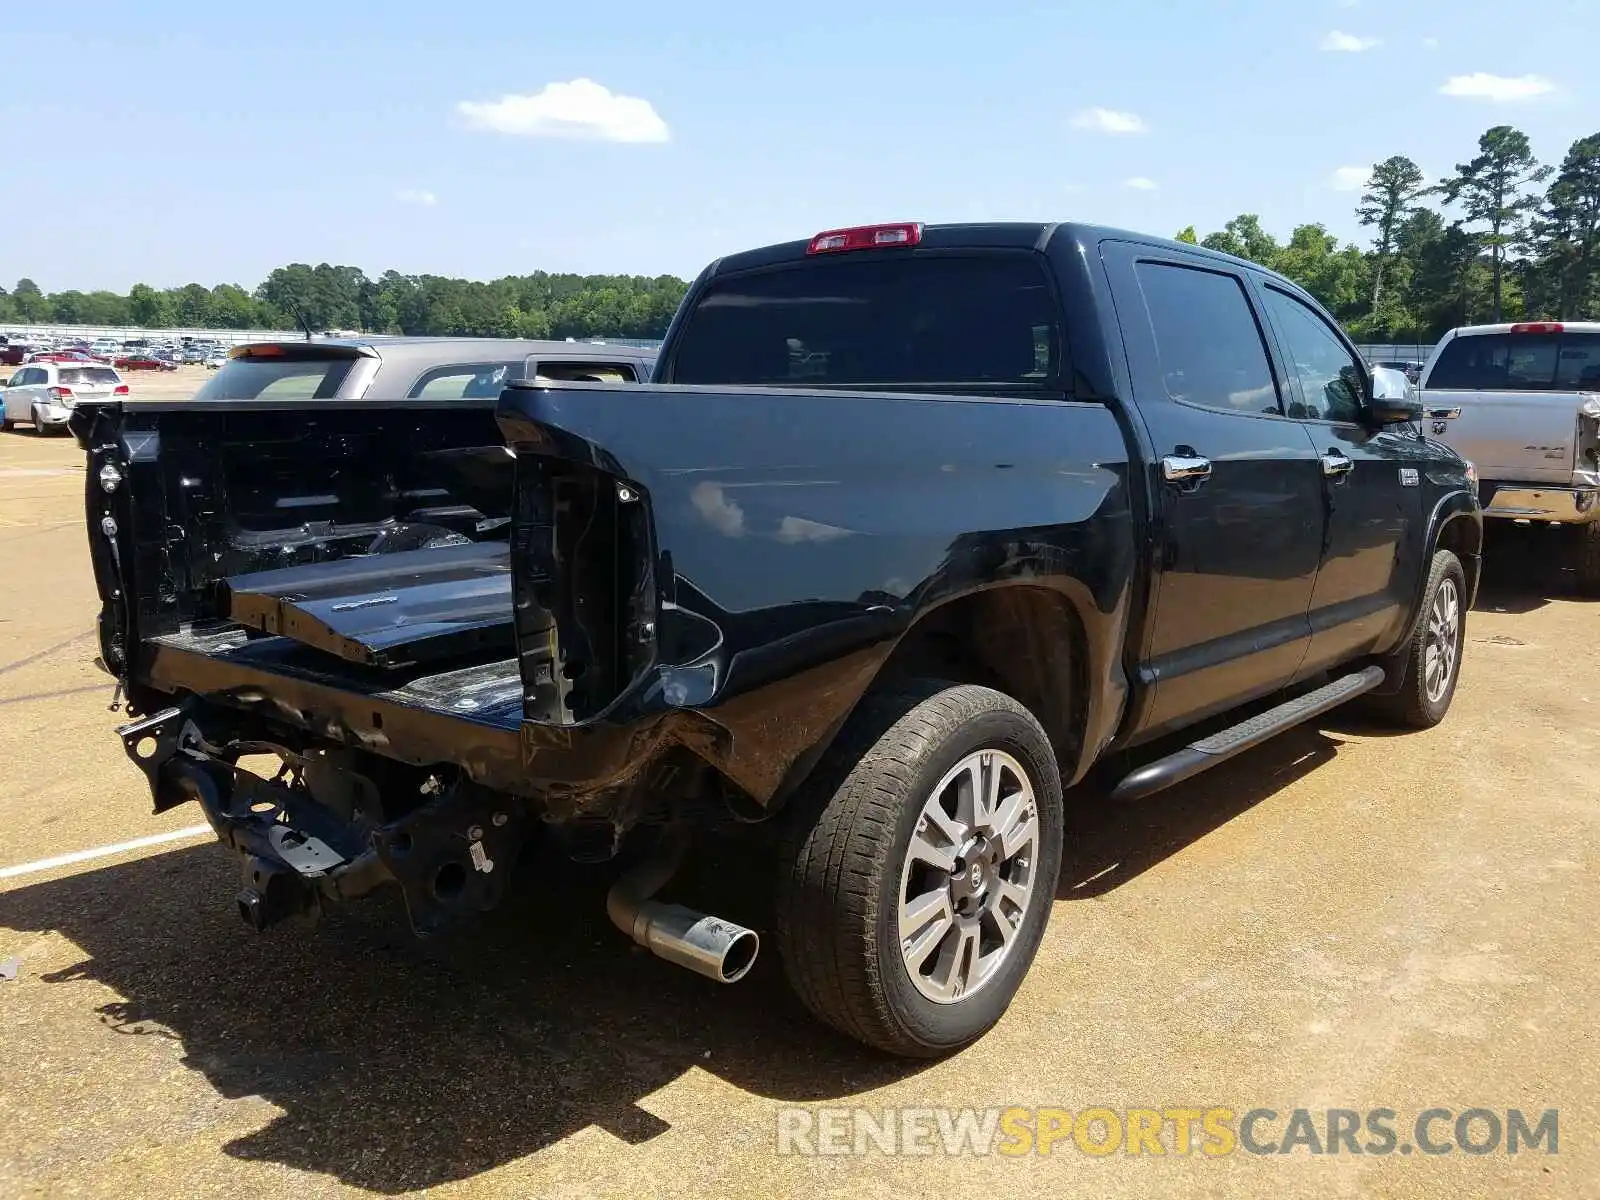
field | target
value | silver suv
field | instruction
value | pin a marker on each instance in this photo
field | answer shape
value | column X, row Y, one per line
column 44, row 394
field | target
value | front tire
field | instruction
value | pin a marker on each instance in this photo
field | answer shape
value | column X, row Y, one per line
column 919, row 868
column 1431, row 657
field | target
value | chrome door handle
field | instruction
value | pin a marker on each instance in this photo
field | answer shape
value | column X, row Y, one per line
column 1334, row 463
column 1443, row 414
column 1185, row 468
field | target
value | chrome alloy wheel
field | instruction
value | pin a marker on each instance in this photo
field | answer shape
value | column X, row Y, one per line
column 968, row 876
column 1444, row 640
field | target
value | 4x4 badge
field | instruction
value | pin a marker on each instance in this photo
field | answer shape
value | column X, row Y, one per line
column 1408, row 477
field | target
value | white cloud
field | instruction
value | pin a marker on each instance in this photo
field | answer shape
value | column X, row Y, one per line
column 722, row 514
column 1350, row 179
column 1430, row 43
column 1482, row 86
column 416, row 196
column 581, row 109
column 800, row 529
column 1349, row 43
column 1109, row 120
column 1140, row 184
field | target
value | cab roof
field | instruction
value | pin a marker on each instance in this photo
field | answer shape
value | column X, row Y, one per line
column 1022, row 235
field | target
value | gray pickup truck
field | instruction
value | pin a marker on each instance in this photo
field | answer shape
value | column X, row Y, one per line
column 1522, row 402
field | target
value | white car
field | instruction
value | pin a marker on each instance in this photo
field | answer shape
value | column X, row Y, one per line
column 44, row 394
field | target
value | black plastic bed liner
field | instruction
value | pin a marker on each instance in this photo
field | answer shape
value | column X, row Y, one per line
column 387, row 610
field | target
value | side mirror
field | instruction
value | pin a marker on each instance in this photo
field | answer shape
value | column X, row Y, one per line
column 1394, row 399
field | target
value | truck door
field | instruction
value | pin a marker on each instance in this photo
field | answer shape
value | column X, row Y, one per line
column 1238, row 486
column 1371, row 481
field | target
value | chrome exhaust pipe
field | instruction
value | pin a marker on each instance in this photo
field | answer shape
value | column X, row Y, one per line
column 704, row 944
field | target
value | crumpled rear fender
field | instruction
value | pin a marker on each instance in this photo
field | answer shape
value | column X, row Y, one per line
column 796, row 535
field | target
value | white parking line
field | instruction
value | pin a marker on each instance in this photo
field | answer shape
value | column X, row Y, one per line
column 78, row 856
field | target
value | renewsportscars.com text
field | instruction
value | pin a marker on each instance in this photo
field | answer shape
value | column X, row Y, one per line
column 1209, row 1132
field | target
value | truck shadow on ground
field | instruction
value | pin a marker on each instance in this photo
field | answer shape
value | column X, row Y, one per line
column 401, row 1064
column 1109, row 844
column 1524, row 568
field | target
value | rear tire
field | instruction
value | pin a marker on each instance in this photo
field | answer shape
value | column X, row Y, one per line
column 879, row 942
column 1431, row 657
column 38, row 423
column 1585, row 557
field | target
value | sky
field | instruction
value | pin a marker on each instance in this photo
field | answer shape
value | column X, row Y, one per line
column 174, row 142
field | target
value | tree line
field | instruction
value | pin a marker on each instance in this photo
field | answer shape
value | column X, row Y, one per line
column 325, row 297
column 1503, row 237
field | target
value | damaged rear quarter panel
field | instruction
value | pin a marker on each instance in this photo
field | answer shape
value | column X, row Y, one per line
column 799, row 534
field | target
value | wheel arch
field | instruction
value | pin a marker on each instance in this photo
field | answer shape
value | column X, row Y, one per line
column 1026, row 640
column 1456, row 525
column 1458, row 528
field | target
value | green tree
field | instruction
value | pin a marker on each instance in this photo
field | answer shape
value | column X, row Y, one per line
column 1449, row 279
column 1566, row 234
column 190, row 305
column 1492, row 191
column 1243, row 237
column 229, row 306
column 68, row 308
column 1336, row 277
column 1392, row 189
column 338, row 297
column 105, row 308
column 28, row 302
column 148, row 307
column 1187, row 234
column 292, row 291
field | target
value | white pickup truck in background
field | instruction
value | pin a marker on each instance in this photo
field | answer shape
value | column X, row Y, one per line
column 1522, row 402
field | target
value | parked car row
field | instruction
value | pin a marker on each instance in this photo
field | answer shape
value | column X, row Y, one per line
column 130, row 354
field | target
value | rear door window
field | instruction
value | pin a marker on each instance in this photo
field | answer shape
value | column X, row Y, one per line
column 277, row 378
column 1210, row 348
column 981, row 322
column 463, row 381
column 1518, row 362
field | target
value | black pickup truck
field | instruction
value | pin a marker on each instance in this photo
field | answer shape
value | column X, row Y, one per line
column 913, row 526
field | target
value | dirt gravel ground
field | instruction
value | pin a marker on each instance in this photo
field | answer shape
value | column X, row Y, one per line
column 1342, row 919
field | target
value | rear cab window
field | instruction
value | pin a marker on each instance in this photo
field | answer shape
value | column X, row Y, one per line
column 1519, row 362
column 280, row 373
column 979, row 321
column 583, row 372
